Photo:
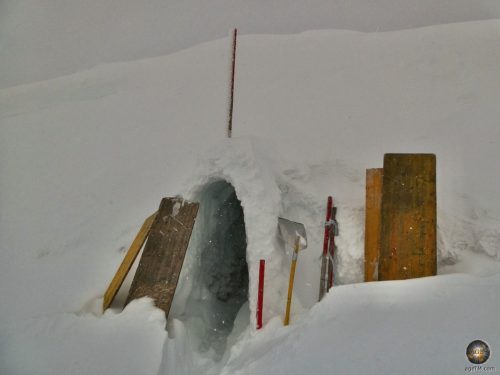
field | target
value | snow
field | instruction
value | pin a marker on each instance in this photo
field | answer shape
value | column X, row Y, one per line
column 102, row 345
column 85, row 158
column 411, row 327
column 44, row 39
column 175, row 209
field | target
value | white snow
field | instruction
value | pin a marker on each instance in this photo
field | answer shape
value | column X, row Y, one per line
column 85, row 158
column 402, row 327
column 44, row 39
column 69, row 343
column 175, row 209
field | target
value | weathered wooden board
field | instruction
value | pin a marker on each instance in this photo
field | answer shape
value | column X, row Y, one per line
column 163, row 255
column 373, row 222
column 127, row 262
column 408, row 235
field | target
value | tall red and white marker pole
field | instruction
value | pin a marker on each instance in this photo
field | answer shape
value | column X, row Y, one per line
column 231, row 92
column 260, row 296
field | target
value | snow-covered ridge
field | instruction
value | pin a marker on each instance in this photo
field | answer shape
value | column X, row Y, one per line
column 43, row 39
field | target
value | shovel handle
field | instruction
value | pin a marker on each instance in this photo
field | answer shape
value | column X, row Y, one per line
column 290, row 281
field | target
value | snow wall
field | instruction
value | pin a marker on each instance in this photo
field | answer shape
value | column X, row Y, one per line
column 238, row 183
column 236, row 226
column 232, row 175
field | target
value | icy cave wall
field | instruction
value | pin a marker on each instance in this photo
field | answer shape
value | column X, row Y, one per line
column 216, row 287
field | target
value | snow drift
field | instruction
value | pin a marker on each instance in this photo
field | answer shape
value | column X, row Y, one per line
column 85, row 158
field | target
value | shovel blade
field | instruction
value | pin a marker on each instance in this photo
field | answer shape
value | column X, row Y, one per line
column 290, row 230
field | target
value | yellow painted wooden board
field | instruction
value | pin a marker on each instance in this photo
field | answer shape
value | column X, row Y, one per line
column 127, row 262
column 373, row 222
column 408, row 235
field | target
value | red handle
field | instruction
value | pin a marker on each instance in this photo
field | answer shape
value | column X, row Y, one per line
column 327, row 228
column 260, row 297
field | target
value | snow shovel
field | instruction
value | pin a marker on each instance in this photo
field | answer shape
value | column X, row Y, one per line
column 294, row 235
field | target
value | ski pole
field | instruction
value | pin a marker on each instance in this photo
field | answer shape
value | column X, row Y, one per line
column 334, row 231
column 323, row 283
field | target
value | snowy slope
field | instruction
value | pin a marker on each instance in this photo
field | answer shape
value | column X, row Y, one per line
column 404, row 327
column 42, row 39
column 85, row 158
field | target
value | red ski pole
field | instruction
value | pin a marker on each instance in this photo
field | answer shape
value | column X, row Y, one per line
column 333, row 228
column 260, row 297
column 324, row 258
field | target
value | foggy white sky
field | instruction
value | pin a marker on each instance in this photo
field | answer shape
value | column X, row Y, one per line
column 42, row 39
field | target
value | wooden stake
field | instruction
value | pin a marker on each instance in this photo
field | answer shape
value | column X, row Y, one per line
column 127, row 262
column 373, row 222
column 231, row 94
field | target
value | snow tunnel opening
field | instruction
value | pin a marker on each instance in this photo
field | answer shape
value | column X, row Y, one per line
column 216, row 306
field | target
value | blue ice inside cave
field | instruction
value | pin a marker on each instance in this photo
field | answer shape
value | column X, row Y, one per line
column 215, row 278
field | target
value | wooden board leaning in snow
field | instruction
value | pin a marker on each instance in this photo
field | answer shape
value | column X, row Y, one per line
column 164, row 253
column 127, row 262
column 408, row 234
column 372, row 222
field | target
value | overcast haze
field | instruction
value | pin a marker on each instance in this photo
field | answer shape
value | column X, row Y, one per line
column 43, row 39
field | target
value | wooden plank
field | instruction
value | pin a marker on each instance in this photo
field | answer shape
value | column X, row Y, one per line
column 163, row 255
column 127, row 262
column 373, row 222
column 408, row 235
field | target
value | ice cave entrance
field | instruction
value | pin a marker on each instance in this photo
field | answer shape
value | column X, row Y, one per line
column 217, row 304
